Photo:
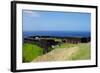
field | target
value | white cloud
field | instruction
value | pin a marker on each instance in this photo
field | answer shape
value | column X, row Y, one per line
column 32, row 13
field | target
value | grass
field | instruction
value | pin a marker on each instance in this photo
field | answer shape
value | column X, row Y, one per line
column 66, row 45
column 31, row 51
column 84, row 52
column 57, row 40
column 67, row 52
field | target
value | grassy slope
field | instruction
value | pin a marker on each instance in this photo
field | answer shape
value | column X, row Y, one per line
column 31, row 51
column 57, row 55
column 83, row 53
column 66, row 45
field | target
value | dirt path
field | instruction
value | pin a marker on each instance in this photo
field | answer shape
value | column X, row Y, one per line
column 57, row 55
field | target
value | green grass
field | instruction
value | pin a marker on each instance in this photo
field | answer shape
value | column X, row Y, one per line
column 66, row 45
column 31, row 51
column 57, row 40
column 84, row 52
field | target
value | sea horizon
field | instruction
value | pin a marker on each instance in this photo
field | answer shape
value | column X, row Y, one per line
column 57, row 33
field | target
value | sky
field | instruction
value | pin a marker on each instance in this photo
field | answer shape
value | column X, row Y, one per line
column 55, row 21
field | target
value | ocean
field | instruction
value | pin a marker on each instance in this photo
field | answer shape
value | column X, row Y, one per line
column 56, row 33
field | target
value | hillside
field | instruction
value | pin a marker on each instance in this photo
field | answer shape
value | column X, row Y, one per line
column 76, row 52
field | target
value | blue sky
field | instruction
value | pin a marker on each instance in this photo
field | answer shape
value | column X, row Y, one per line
column 55, row 21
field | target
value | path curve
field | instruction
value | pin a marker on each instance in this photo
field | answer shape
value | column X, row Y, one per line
column 61, row 54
